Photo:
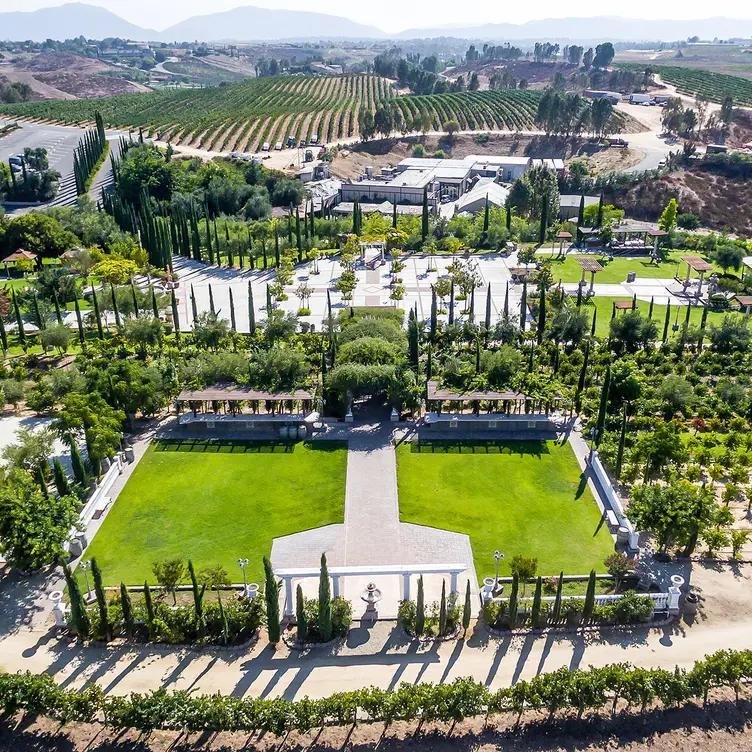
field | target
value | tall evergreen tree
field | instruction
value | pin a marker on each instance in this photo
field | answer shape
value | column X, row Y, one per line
column 271, row 594
column 486, row 217
column 509, row 220
column 451, row 304
column 100, row 330
column 79, row 616
column 556, row 613
column 175, row 316
column 198, row 598
column 251, row 311
column 587, row 612
column 127, row 607
column 420, row 609
column 434, row 311
column 394, row 215
column 61, row 479
column 543, row 221
column 194, row 306
column 488, row 309
column 599, row 220
column 233, row 323
column 506, row 301
column 325, row 603
column 581, row 212
column 514, row 601
column 41, row 480
column 56, row 303
column 443, row 610
column 592, row 326
column 154, row 306
column 536, row 611
column 115, row 309
column 542, row 313
column 19, row 321
column 467, row 609
column 269, row 301
column 3, row 336
column 523, row 306
column 602, row 409
column 424, row 226
column 135, row 298
column 211, row 300
column 622, row 438
column 300, row 615
column 104, row 620
column 148, row 605
column 77, row 463
column 666, row 322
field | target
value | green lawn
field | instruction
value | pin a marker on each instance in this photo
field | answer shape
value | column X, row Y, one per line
column 521, row 497
column 614, row 272
column 604, row 306
column 216, row 501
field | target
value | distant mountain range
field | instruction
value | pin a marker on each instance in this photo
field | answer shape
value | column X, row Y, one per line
column 249, row 24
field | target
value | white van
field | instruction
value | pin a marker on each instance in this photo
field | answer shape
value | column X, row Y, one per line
column 265, row 147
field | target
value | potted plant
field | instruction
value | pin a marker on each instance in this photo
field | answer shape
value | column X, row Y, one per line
column 573, row 609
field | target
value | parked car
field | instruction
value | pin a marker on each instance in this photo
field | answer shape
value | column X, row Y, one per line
column 291, row 142
column 265, row 146
column 314, row 138
column 278, row 146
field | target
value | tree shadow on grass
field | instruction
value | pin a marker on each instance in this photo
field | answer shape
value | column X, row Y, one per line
column 534, row 447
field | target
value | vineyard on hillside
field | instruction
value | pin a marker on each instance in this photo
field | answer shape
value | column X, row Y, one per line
column 693, row 81
column 239, row 117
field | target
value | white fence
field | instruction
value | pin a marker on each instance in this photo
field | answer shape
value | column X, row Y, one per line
column 661, row 601
column 98, row 499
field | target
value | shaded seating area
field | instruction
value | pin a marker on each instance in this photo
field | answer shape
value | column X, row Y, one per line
column 628, row 238
column 233, row 408
column 16, row 256
column 745, row 303
column 488, row 410
column 694, row 264
column 592, row 266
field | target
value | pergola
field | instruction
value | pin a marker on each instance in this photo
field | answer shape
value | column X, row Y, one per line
column 696, row 264
column 629, row 237
column 512, row 402
column 230, row 400
column 589, row 264
column 563, row 236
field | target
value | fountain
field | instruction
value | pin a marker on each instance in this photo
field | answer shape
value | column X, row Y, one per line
column 371, row 595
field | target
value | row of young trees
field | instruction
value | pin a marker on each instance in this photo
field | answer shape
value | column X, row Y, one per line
column 88, row 156
column 561, row 691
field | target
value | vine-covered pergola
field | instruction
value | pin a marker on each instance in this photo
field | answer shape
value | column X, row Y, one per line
column 506, row 402
column 235, row 400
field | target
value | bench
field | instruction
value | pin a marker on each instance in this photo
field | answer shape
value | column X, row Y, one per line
column 612, row 519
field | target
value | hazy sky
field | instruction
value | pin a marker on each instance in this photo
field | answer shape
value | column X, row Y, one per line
column 397, row 15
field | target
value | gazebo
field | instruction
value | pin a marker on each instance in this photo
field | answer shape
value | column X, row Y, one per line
column 16, row 256
column 696, row 264
column 589, row 264
column 241, row 408
column 745, row 303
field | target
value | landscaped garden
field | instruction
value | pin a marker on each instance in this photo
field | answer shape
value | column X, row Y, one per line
column 215, row 501
column 520, row 497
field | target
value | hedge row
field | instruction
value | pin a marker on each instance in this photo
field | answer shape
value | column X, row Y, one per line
column 579, row 690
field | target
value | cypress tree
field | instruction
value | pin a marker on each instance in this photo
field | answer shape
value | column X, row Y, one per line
column 542, row 314
column 420, row 609
column 271, row 594
column 154, row 306
column 451, row 304
column 211, row 300
column 523, row 306
column 3, row 336
column 535, row 616
column 56, row 303
column 579, row 296
column 599, row 426
column 394, row 216
column 135, row 298
column 175, row 316
column 583, row 374
column 149, row 605
column 19, row 320
column 666, row 322
column 194, row 307
column 297, row 236
column 325, row 603
column 41, row 480
column 634, row 302
column 509, row 220
column 115, row 309
column 79, row 617
column 269, row 303
column 443, row 610
column 100, row 330
column 592, row 326
column 622, row 437
column 471, row 317
column 486, row 217
column 488, row 309
column 233, row 324
column 208, row 238
column 355, row 217
column 703, row 322
column 506, row 302
column 467, row 610
column 104, row 621
column 424, row 220
column 581, row 212
column 301, row 615
column 650, row 310
column 434, row 322
column 556, row 614
column 198, row 598
column 127, row 606
column 599, row 220
column 37, row 314
column 543, row 221
column 263, row 253
column 477, row 356
column 413, row 341
column 429, row 363
column 77, row 463
column 587, row 612
column 251, row 311
column 513, row 601
column 61, row 479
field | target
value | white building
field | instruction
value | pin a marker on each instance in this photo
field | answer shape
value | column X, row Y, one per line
column 486, row 189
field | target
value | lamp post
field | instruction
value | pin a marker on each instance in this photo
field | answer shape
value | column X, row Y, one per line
column 498, row 556
column 243, row 563
column 85, row 566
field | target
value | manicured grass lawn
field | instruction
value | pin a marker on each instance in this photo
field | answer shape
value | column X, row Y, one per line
column 604, row 306
column 520, row 497
column 614, row 272
column 216, row 501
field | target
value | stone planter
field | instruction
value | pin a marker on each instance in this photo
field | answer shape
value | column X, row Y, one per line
column 690, row 603
column 573, row 618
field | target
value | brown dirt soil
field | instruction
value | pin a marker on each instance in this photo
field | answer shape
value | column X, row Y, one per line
column 724, row 726
column 62, row 75
column 388, row 152
column 741, row 129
